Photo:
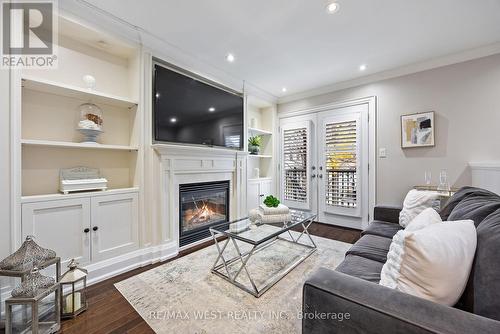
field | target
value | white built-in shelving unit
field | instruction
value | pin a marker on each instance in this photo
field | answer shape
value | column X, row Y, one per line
column 261, row 120
column 88, row 226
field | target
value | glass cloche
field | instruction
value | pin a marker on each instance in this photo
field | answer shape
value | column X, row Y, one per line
column 90, row 122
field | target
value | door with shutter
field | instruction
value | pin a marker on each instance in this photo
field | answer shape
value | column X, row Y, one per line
column 296, row 163
column 343, row 166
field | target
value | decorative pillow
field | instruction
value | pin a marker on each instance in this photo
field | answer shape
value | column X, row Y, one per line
column 415, row 202
column 432, row 263
column 425, row 218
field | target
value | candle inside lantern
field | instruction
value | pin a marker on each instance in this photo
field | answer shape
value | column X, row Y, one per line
column 68, row 307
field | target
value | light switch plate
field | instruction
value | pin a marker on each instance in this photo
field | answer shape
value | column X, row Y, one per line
column 382, row 152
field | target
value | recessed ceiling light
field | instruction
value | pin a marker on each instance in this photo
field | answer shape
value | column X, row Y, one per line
column 332, row 7
column 362, row 67
column 284, row 89
column 157, row 95
column 211, row 109
column 173, row 120
column 230, row 57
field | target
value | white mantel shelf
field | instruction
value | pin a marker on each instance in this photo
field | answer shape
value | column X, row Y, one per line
column 187, row 150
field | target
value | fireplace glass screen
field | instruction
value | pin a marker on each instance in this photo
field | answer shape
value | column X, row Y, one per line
column 201, row 206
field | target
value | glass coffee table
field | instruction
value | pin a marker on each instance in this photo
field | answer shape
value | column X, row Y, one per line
column 265, row 252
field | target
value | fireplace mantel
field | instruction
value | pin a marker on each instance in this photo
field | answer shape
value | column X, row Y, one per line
column 182, row 164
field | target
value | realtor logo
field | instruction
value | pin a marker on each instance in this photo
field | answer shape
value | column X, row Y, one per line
column 29, row 34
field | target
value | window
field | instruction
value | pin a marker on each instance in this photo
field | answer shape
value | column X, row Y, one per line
column 295, row 164
column 341, row 160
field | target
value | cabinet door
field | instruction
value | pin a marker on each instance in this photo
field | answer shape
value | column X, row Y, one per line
column 61, row 225
column 253, row 198
column 265, row 189
column 114, row 225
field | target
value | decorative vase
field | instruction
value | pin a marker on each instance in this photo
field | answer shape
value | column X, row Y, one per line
column 253, row 149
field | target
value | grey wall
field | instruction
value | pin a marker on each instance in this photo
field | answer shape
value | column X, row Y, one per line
column 466, row 99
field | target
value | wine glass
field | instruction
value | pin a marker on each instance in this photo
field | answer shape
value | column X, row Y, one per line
column 428, row 178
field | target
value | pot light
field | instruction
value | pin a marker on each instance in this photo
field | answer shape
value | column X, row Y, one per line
column 173, row 120
column 362, row 67
column 230, row 57
column 211, row 109
column 284, row 89
column 332, row 7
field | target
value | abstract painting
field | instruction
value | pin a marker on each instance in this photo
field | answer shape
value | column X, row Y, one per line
column 417, row 130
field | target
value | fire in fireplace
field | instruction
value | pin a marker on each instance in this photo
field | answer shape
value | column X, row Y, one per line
column 202, row 205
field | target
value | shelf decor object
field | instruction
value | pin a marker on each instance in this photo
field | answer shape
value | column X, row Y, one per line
column 254, row 143
column 74, row 291
column 90, row 124
column 81, row 179
column 34, row 306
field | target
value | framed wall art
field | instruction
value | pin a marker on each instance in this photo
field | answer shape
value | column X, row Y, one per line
column 417, row 130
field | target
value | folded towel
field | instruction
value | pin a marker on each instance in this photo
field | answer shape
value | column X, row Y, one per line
column 280, row 209
column 275, row 218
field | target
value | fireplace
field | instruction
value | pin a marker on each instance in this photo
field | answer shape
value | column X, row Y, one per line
column 201, row 205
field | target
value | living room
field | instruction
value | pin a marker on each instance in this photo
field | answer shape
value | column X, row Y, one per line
column 328, row 166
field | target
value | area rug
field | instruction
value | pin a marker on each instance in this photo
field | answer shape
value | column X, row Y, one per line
column 183, row 296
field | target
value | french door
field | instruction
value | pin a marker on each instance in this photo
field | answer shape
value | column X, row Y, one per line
column 324, row 164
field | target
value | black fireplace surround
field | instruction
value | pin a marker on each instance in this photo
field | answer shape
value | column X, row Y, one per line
column 201, row 205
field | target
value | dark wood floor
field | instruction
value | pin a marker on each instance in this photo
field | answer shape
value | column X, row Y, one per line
column 109, row 312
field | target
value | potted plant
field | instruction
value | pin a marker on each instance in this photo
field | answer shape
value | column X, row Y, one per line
column 254, row 144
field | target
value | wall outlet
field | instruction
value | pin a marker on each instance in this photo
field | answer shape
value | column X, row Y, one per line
column 382, row 152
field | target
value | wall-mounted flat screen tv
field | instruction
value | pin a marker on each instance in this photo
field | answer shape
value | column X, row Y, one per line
column 190, row 111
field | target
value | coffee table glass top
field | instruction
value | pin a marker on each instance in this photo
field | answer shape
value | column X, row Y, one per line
column 262, row 232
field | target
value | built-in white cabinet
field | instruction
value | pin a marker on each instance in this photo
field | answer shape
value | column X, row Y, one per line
column 62, row 225
column 257, row 190
column 89, row 228
column 114, row 220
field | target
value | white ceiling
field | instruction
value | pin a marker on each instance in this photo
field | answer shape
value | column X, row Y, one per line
column 296, row 44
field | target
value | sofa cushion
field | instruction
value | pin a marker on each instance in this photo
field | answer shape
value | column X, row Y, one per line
column 361, row 267
column 476, row 207
column 482, row 294
column 372, row 247
column 382, row 229
column 460, row 195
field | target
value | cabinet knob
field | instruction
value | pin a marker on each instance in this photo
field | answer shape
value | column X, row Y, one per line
column 87, row 230
column 95, row 228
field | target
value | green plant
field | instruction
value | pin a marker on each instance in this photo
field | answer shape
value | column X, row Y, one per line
column 255, row 141
column 271, row 201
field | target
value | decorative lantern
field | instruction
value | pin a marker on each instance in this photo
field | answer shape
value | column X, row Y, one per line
column 74, row 291
column 21, row 263
column 90, row 122
column 34, row 306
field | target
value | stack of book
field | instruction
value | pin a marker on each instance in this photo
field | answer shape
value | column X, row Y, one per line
column 279, row 214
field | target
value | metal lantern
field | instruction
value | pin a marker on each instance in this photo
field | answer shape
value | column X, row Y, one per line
column 20, row 264
column 34, row 306
column 73, row 291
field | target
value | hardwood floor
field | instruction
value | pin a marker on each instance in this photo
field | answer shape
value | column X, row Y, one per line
column 109, row 312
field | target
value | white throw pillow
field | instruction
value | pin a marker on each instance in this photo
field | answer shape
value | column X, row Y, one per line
column 415, row 202
column 431, row 263
column 425, row 218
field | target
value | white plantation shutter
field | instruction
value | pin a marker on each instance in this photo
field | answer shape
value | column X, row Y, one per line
column 295, row 164
column 341, row 149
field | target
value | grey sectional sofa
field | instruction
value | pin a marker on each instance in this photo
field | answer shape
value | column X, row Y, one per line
column 350, row 300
